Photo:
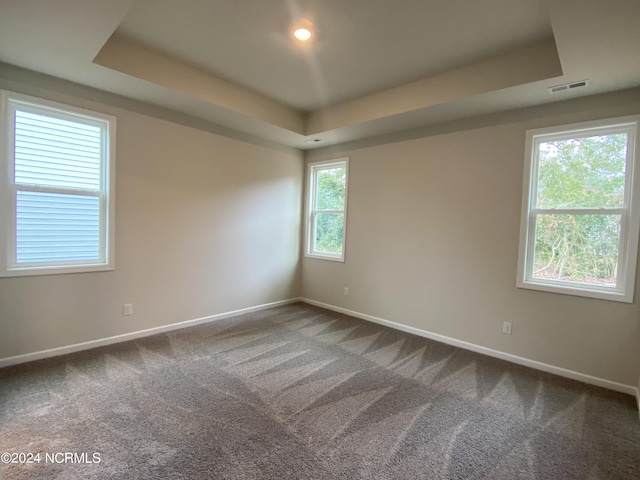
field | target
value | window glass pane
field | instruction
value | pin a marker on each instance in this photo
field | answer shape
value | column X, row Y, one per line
column 52, row 152
column 329, row 230
column 330, row 188
column 577, row 248
column 56, row 227
column 582, row 172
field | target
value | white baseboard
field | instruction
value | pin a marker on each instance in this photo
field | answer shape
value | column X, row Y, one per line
column 545, row 367
column 54, row 352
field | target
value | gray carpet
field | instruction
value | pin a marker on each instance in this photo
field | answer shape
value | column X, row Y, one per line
column 301, row 392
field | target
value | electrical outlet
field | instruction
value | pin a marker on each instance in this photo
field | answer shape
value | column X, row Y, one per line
column 127, row 309
column 346, row 291
column 506, row 328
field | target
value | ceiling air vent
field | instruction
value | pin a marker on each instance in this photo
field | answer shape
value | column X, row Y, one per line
column 568, row 86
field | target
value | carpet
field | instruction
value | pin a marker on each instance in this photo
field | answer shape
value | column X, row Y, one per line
column 304, row 393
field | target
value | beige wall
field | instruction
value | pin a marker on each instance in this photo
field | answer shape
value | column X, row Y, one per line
column 204, row 224
column 432, row 242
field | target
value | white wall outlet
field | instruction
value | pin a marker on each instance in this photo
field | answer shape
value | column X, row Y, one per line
column 346, row 291
column 127, row 309
column 506, row 328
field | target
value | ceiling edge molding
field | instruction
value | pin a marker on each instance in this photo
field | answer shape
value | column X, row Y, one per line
column 133, row 58
column 29, row 82
column 606, row 105
column 527, row 65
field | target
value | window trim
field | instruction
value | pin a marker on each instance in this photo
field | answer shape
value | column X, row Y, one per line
column 630, row 212
column 8, row 267
column 312, row 168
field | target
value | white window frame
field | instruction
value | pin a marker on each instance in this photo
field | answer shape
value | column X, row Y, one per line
column 9, row 101
column 310, row 234
column 629, row 213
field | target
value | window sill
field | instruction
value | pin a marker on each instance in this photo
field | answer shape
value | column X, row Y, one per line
column 614, row 296
column 37, row 271
column 325, row 257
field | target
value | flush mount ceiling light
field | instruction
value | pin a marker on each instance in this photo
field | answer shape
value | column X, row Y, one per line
column 302, row 34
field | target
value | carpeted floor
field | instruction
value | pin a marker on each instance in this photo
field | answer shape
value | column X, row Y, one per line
column 301, row 392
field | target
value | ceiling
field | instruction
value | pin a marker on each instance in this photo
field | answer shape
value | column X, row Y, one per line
column 372, row 66
column 360, row 47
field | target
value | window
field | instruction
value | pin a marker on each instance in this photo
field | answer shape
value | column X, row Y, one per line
column 579, row 231
column 327, row 209
column 56, row 181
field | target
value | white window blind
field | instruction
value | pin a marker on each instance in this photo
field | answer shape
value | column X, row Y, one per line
column 56, row 153
column 56, row 227
column 59, row 203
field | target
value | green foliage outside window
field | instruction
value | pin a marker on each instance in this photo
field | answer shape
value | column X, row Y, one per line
column 330, row 195
column 572, row 174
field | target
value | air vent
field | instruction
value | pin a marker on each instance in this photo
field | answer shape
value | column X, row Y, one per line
column 583, row 83
column 568, row 86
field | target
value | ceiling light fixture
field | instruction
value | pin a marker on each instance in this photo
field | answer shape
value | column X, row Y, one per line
column 302, row 34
